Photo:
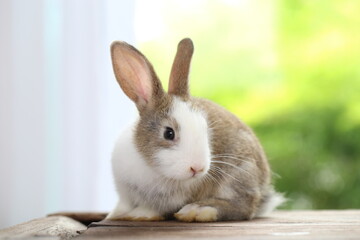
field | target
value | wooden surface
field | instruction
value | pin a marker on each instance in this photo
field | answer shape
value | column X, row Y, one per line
column 279, row 225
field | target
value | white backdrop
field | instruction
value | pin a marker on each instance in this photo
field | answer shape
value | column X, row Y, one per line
column 60, row 106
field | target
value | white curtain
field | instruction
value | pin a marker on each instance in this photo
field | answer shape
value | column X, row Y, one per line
column 60, row 106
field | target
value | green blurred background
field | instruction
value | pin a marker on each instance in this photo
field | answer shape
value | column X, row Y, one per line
column 290, row 70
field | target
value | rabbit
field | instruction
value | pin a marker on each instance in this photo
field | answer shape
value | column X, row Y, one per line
column 185, row 158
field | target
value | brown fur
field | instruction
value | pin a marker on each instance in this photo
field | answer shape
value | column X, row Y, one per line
column 228, row 138
column 148, row 134
column 178, row 83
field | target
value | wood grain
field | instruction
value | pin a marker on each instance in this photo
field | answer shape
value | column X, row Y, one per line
column 329, row 224
column 344, row 224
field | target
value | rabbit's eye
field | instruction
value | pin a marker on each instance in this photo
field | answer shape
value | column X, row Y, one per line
column 169, row 133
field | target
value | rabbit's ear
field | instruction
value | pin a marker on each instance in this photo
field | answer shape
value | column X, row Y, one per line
column 135, row 74
column 179, row 76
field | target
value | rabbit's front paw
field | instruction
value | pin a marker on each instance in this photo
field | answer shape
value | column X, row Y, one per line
column 142, row 214
column 120, row 210
column 195, row 213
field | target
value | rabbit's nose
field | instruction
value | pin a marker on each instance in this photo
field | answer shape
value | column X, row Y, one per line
column 195, row 170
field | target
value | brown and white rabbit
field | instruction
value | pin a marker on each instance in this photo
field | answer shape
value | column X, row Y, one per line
column 185, row 157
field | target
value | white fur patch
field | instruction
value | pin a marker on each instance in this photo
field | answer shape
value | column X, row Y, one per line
column 128, row 165
column 120, row 210
column 276, row 200
column 192, row 149
column 141, row 214
column 195, row 213
column 137, row 214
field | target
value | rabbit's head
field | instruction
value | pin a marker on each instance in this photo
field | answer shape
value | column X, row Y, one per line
column 172, row 134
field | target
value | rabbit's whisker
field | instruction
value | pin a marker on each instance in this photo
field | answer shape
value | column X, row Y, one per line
column 234, row 166
column 220, row 172
column 245, row 160
column 227, row 174
column 213, row 123
column 233, row 156
column 230, row 157
column 213, row 178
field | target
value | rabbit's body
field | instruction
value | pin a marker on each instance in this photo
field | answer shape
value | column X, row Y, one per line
column 185, row 157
